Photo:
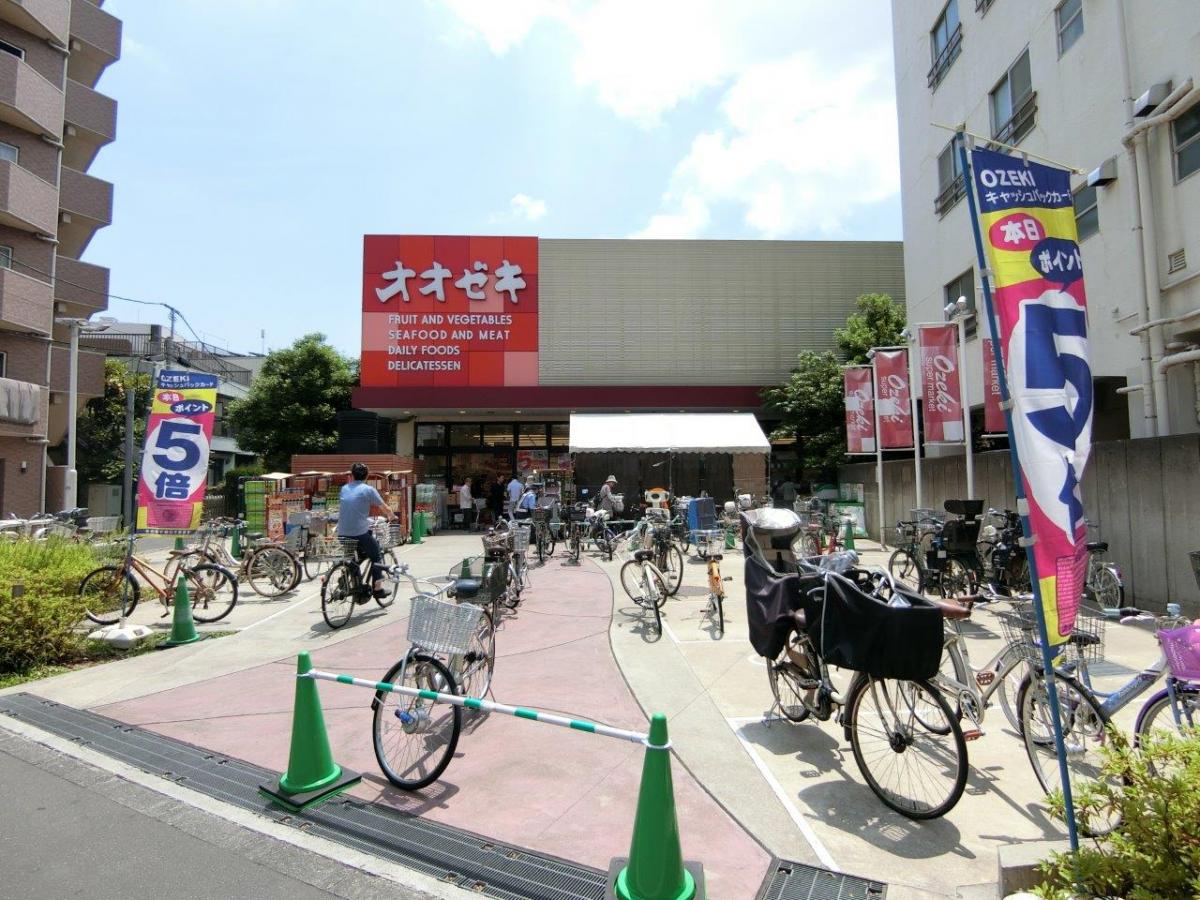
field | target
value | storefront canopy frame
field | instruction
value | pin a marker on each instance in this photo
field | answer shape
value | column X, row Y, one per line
column 668, row 433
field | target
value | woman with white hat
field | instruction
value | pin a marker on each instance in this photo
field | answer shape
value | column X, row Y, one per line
column 605, row 499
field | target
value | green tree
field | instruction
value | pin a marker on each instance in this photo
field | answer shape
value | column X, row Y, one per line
column 876, row 322
column 810, row 403
column 293, row 403
column 100, row 441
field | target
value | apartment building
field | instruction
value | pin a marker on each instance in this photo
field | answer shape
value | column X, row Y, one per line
column 53, row 122
column 1104, row 87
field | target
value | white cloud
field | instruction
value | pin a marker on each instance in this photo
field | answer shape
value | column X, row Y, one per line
column 503, row 25
column 528, row 208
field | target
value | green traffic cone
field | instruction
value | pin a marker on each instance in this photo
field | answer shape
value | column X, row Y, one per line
column 183, row 629
column 655, row 870
column 235, row 546
column 848, row 538
column 179, row 542
column 312, row 776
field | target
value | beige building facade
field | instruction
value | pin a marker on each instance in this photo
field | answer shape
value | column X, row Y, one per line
column 1102, row 86
column 53, row 122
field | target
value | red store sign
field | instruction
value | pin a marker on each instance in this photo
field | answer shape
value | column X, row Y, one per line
column 449, row 311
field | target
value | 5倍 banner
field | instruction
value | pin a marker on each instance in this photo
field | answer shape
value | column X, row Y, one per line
column 175, row 460
column 860, row 410
column 940, row 384
column 1027, row 222
column 892, row 395
column 993, row 412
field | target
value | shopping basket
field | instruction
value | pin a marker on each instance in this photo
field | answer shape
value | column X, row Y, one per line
column 440, row 627
column 1086, row 641
column 1182, row 648
column 521, row 533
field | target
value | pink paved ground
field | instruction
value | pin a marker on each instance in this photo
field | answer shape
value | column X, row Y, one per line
column 540, row 787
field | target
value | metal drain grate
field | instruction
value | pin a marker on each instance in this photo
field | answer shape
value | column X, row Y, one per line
column 474, row 863
column 796, row 881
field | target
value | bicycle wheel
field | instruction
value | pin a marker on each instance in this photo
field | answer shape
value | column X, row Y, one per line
column 656, row 586
column 1011, row 671
column 389, row 560
column 955, row 580
column 1158, row 717
column 672, row 568
column 919, row 772
column 315, row 565
column 512, row 587
column 1106, row 587
column 269, row 571
column 108, row 593
column 1084, row 729
column 414, row 738
column 540, row 548
column 927, row 711
column 631, row 579
column 790, row 681
column 214, row 591
column 337, row 593
column 904, row 567
column 473, row 670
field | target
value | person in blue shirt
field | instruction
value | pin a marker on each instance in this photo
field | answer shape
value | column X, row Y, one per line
column 356, row 500
column 527, row 503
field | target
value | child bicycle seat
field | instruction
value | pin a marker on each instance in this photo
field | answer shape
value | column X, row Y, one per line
column 770, row 533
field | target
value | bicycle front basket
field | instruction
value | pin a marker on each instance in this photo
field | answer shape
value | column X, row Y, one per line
column 440, row 627
column 1182, row 647
column 521, row 537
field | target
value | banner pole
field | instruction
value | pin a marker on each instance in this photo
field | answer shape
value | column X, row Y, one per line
column 968, row 442
column 878, row 451
column 916, row 431
column 1022, row 503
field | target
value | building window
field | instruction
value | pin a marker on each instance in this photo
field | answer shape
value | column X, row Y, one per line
column 560, row 434
column 5, row 257
column 945, row 43
column 533, row 435
column 9, row 152
column 1087, row 213
column 951, row 184
column 1013, row 103
column 498, row 435
column 16, row 51
column 3, row 364
column 1186, row 133
column 963, row 286
column 465, row 436
column 431, row 435
column 1069, row 16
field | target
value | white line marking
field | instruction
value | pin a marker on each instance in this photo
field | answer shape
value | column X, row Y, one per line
column 797, row 817
column 291, row 606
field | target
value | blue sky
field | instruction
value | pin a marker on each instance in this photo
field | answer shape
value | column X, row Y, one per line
column 258, row 140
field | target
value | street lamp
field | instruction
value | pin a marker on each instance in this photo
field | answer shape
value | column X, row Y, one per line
column 957, row 312
column 76, row 325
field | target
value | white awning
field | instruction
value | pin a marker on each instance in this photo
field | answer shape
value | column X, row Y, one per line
column 668, row 433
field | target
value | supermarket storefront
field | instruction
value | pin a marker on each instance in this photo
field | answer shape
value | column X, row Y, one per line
column 481, row 348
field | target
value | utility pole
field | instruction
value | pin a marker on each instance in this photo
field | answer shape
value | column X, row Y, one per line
column 130, row 394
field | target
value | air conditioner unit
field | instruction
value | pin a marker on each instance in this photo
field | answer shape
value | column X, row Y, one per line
column 1149, row 101
column 1105, row 173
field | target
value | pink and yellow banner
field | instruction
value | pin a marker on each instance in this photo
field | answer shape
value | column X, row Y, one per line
column 860, row 410
column 1027, row 221
column 175, row 460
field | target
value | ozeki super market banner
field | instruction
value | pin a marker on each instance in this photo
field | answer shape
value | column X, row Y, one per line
column 1027, row 221
column 860, row 410
column 895, row 402
column 449, row 311
column 175, row 461
column 941, row 384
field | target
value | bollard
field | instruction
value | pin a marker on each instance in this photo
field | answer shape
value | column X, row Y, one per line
column 183, row 628
column 235, row 545
column 179, row 542
column 418, row 528
column 312, row 776
column 848, row 538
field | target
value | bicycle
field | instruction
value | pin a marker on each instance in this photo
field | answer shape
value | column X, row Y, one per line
column 645, row 584
column 543, row 540
column 667, row 555
column 716, row 593
column 112, row 592
column 1086, row 712
column 271, row 570
column 1104, row 585
column 414, row 737
column 348, row 583
column 918, row 771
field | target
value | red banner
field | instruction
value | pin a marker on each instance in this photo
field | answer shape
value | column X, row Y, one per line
column 449, row 311
column 892, row 395
column 993, row 414
column 940, row 384
column 860, row 410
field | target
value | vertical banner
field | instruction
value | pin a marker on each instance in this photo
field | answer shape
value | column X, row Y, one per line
column 993, row 413
column 860, row 410
column 940, row 384
column 892, row 395
column 1027, row 221
column 175, row 460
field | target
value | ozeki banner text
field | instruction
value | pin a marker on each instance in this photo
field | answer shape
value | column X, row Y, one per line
column 860, row 410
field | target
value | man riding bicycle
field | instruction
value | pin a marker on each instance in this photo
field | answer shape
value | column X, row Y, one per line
column 356, row 500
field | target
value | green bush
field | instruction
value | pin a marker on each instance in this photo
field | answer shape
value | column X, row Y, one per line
column 41, row 625
column 1156, row 851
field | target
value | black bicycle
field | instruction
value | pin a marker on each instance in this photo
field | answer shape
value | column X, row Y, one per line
column 543, row 537
column 348, row 583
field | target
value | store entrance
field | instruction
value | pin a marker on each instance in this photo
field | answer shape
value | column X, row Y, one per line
column 487, row 465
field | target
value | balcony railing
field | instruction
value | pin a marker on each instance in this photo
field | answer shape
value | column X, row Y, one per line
column 946, row 58
column 1020, row 123
column 950, row 195
column 181, row 353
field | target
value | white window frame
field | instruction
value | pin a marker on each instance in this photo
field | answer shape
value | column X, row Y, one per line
column 1016, row 104
column 950, row 192
column 9, row 47
column 16, row 157
column 1177, row 148
column 1063, row 26
column 1079, row 213
column 970, row 325
column 941, row 60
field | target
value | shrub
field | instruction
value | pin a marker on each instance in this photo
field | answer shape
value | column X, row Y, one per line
column 1156, row 851
column 41, row 626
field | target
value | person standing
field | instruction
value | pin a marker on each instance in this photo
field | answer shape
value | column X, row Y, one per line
column 496, row 498
column 355, row 503
column 466, row 505
column 527, row 503
column 604, row 500
column 515, row 490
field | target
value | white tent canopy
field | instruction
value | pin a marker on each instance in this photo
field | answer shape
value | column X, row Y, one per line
column 668, row 433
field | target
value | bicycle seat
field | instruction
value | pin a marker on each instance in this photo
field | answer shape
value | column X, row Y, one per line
column 716, row 557
column 951, row 610
column 466, row 588
column 253, row 535
column 1097, row 547
column 1084, row 639
column 643, row 555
